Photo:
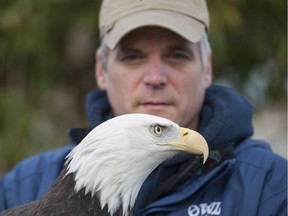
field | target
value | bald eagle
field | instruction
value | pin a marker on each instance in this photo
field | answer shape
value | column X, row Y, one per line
column 104, row 173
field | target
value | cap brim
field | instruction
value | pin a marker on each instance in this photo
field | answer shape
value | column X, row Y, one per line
column 187, row 27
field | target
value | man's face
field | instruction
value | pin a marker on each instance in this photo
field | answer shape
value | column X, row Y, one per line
column 155, row 71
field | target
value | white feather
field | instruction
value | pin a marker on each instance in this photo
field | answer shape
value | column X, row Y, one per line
column 115, row 158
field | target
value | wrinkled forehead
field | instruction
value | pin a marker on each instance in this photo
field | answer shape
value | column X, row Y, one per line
column 152, row 35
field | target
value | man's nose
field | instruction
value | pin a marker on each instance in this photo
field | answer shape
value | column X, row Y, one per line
column 155, row 74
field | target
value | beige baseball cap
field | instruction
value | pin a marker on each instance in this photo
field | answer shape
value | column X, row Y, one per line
column 188, row 18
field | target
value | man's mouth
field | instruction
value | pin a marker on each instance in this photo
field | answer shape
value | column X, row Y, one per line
column 155, row 105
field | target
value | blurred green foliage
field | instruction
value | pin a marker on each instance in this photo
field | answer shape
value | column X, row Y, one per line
column 47, row 52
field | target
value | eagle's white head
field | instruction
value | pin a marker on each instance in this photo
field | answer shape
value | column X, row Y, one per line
column 115, row 158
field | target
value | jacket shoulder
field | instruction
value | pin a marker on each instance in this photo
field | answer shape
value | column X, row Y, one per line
column 31, row 178
column 258, row 153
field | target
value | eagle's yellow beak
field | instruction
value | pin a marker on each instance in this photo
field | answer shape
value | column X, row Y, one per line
column 193, row 142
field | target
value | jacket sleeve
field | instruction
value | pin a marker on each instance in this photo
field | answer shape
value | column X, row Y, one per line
column 276, row 205
column 274, row 196
column 31, row 178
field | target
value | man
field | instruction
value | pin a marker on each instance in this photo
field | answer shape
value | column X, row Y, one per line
column 155, row 58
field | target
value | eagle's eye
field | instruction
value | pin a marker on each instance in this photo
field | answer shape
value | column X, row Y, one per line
column 157, row 130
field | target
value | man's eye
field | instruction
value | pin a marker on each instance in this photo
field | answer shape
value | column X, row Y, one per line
column 131, row 58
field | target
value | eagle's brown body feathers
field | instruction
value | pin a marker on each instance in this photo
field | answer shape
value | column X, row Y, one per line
column 79, row 203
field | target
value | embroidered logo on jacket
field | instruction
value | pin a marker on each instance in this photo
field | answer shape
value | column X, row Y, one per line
column 205, row 209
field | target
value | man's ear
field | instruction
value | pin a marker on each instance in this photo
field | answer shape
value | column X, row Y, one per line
column 100, row 72
column 208, row 73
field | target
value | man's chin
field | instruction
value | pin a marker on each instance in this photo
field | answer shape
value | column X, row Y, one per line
column 161, row 112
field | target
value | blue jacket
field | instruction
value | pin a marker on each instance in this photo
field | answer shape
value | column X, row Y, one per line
column 242, row 176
